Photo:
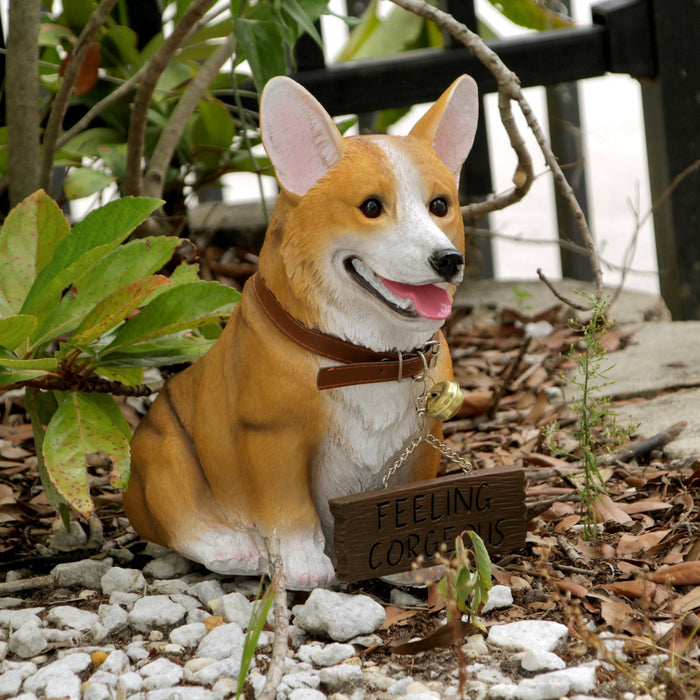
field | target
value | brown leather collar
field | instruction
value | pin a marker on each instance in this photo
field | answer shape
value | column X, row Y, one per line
column 360, row 365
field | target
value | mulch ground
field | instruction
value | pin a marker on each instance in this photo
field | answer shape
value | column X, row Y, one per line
column 636, row 579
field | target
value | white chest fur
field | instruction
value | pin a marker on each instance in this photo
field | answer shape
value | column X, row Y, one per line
column 368, row 426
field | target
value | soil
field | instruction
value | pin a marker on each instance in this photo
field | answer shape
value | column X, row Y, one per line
column 636, row 577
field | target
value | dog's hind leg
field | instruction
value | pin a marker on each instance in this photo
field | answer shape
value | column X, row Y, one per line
column 169, row 500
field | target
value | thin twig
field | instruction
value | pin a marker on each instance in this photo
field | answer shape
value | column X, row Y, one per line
column 154, row 180
column 136, row 138
column 70, row 75
column 569, row 302
column 124, row 89
column 508, row 379
column 281, row 617
column 27, row 584
column 509, row 89
column 640, row 222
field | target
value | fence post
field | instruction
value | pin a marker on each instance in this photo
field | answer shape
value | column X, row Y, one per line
column 671, row 104
column 475, row 182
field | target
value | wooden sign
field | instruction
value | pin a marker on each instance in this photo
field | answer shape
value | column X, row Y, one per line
column 384, row 531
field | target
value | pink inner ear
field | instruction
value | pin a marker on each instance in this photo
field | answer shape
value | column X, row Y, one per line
column 300, row 137
column 455, row 132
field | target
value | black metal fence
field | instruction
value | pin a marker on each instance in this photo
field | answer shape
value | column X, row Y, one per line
column 652, row 40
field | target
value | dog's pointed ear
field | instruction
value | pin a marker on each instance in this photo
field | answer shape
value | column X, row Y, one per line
column 450, row 124
column 299, row 136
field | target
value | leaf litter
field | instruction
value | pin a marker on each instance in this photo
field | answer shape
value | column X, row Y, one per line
column 638, row 578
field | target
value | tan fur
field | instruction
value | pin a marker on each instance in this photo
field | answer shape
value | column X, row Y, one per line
column 227, row 453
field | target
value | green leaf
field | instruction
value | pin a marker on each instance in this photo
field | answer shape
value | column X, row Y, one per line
column 114, row 157
column 293, row 17
column 53, row 34
column 129, row 376
column 118, row 47
column 41, row 406
column 14, row 369
column 76, row 13
column 16, row 329
column 83, row 182
column 483, row 561
column 114, row 308
column 172, row 350
column 263, row 46
column 125, row 264
column 377, row 37
column 531, row 14
column 255, row 627
column 99, row 232
column 182, row 307
column 31, row 233
column 81, row 427
column 213, row 125
column 87, row 142
column 10, row 361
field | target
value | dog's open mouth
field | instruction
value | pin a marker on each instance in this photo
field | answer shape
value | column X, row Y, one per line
column 427, row 300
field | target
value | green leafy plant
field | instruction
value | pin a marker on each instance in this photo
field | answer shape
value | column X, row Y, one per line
column 463, row 590
column 80, row 317
column 263, row 603
column 158, row 112
column 597, row 429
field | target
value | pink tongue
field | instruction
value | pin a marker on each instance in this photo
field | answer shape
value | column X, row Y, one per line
column 430, row 301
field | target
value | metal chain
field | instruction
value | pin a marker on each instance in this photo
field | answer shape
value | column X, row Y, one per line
column 424, row 435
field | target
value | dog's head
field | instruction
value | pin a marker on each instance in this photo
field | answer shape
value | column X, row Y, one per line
column 367, row 233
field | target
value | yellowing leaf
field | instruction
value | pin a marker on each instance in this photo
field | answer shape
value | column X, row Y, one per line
column 78, row 428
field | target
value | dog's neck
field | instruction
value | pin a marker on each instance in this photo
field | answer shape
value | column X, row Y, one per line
column 358, row 364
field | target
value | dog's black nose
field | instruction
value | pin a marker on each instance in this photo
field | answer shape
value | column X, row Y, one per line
column 446, row 263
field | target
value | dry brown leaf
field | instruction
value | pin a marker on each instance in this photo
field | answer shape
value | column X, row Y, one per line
column 475, row 403
column 538, row 409
column 636, row 588
column 686, row 603
column 631, row 544
column 685, row 574
column 617, row 615
column 395, row 616
column 542, row 460
column 558, row 510
column 567, row 523
column 607, row 511
column 445, row 635
column 607, row 551
column 576, row 589
column 644, row 505
column 12, row 452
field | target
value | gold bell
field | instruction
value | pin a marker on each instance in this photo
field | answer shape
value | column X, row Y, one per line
column 443, row 400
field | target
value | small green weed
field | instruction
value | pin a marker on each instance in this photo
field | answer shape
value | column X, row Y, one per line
column 597, row 428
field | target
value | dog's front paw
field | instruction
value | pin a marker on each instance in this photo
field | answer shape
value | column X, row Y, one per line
column 306, row 566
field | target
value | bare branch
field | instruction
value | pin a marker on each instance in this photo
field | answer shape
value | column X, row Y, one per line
column 124, row 89
column 154, row 179
column 142, row 100
column 23, row 99
column 509, row 89
column 281, row 616
column 559, row 295
column 60, row 104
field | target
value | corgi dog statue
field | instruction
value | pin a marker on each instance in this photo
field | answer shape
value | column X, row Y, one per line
column 307, row 395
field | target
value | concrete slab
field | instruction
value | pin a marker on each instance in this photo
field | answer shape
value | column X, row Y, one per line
column 658, row 414
column 661, row 357
column 631, row 306
column 661, row 366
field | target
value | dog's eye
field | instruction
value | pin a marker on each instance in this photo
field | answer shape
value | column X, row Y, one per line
column 438, row 206
column 371, row 208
